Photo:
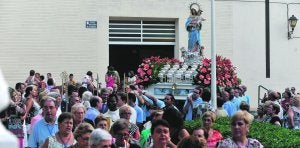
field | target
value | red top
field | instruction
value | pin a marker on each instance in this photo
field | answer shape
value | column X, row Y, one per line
column 213, row 139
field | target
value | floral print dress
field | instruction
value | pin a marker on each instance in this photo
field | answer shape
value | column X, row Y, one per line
column 229, row 143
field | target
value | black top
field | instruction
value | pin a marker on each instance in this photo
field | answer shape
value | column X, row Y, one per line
column 275, row 119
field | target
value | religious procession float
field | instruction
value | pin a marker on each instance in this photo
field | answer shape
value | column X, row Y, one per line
column 162, row 76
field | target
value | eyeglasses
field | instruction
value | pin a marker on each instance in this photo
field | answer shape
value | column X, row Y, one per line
column 126, row 113
column 195, row 92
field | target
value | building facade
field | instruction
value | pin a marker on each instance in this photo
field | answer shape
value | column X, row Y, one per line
column 53, row 36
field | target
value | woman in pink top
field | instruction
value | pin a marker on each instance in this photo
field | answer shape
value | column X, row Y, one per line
column 213, row 136
column 109, row 78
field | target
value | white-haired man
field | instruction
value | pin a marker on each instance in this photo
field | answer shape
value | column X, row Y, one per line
column 100, row 138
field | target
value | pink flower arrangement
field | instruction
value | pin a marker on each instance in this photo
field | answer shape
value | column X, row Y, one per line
column 147, row 72
column 226, row 75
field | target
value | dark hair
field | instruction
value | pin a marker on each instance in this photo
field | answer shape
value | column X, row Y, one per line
column 173, row 117
column 94, row 100
column 89, row 73
column 159, row 122
column 50, row 82
column 42, row 77
column 220, row 102
column 27, row 91
column 131, row 97
column 204, row 130
column 110, row 68
column 31, row 72
column 200, row 89
column 191, row 142
column 71, row 89
column 244, row 106
column 119, row 125
column 71, row 74
column 289, row 94
column 132, row 87
column 65, row 115
column 172, row 97
column 123, row 96
column 81, row 90
column 206, row 95
column 112, row 96
column 18, row 85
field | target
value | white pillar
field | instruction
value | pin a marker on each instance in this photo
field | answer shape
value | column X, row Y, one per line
column 213, row 58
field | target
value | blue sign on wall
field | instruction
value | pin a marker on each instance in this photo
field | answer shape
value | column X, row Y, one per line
column 91, row 24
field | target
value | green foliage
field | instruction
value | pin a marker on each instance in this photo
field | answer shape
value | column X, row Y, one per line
column 269, row 135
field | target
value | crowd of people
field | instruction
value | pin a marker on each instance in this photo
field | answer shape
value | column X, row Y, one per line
column 79, row 114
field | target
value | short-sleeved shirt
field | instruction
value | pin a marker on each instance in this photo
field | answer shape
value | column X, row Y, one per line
column 40, row 132
column 92, row 113
column 139, row 114
column 189, row 114
column 229, row 107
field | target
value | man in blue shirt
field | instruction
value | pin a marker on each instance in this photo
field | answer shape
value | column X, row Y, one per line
column 192, row 101
column 228, row 105
column 93, row 112
column 47, row 126
column 139, row 111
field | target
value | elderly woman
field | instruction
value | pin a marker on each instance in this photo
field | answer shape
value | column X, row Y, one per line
column 86, row 97
column 64, row 137
column 240, row 124
column 160, row 132
column 82, row 134
column 272, row 111
column 120, row 131
column 213, row 136
column 78, row 110
column 100, row 138
column 125, row 113
column 294, row 113
column 102, row 122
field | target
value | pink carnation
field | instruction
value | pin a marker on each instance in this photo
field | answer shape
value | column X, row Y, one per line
column 146, row 67
column 206, row 81
column 149, row 72
column 203, row 70
column 201, row 77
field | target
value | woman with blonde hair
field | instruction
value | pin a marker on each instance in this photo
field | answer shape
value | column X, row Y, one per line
column 125, row 113
column 240, row 124
column 294, row 113
column 213, row 136
column 102, row 122
column 78, row 110
column 82, row 134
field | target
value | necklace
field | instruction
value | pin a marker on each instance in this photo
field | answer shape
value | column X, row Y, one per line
column 50, row 130
column 64, row 143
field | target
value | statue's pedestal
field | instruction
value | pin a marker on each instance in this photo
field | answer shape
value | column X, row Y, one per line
column 180, row 91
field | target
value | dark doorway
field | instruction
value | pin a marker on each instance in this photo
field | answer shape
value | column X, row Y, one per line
column 127, row 57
